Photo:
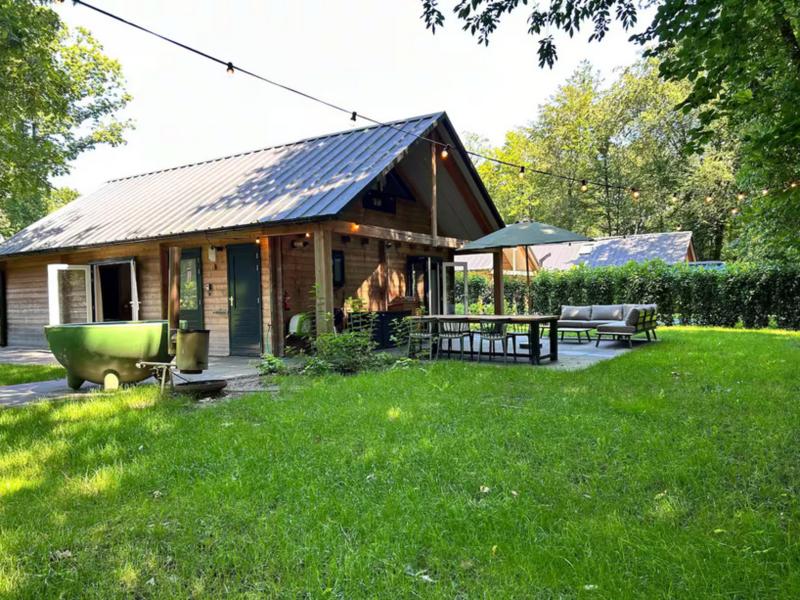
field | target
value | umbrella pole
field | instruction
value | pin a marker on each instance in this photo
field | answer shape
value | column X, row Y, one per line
column 528, row 279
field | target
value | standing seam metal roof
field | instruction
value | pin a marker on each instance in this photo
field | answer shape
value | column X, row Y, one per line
column 309, row 179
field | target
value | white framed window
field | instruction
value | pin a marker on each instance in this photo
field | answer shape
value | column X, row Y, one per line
column 69, row 289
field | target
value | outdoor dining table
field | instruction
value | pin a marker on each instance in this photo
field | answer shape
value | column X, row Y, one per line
column 534, row 323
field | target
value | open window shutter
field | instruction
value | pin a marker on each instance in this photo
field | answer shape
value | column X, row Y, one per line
column 134, row 292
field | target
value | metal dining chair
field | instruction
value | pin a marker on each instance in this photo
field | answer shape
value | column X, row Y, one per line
column 493, row 332
column 420, row 332
column 454, row 329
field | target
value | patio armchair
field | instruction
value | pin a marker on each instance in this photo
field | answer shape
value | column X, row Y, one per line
column 638, row 319
column 493, row 332
column 454, row 330
column 421, row 332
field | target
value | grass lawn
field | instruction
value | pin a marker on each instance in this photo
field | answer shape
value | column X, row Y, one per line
column 11, row 374
column 672, row 471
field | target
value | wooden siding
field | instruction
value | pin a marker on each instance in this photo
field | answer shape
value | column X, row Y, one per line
column 375, row 271
column 27, row 298
column 375, row 282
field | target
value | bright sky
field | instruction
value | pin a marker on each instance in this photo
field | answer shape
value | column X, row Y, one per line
column 373, row 56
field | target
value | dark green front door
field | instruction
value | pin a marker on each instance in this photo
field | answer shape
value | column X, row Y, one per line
column 244, row 299
column 191, row 288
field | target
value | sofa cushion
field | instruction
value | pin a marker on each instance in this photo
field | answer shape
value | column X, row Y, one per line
column 576, row 313
column 633, row 315
column 606, row 312
column 616, row 327
column 578, row 323
column 626, row 309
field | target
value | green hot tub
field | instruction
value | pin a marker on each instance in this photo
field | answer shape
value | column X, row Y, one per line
column 107, row 353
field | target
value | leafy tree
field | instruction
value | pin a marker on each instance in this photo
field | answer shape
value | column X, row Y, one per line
column 629, row 132
column 741, row 62
column 59, row 96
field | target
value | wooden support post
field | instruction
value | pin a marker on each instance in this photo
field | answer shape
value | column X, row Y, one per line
column 497, row 273
column 276, row 294
column 174, row 297
column 434, row 194
column 323, row 278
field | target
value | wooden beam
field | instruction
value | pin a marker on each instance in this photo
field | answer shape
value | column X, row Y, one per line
column 276, row 294
column 323, row 278
column 434, row 194
column 497, row 274
column 395, row 235
column 174, row 302
column 383, row 275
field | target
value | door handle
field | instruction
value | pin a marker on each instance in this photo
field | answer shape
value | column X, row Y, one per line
column 230, row 301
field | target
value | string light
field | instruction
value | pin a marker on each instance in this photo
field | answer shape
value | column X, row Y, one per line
column 734, row 211
column 521, row 172
column 740, row 196
column 231, row 69
column 709, row 199
column 674, row 198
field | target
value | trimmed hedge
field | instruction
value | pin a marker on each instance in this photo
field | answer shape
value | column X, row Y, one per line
column 746, row 294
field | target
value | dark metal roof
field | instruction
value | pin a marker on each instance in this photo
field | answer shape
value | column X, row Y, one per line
column 671, row 247
column 305, row 180
column 526, row 233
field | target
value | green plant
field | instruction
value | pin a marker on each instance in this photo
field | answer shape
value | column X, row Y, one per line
column 271, row 365
column 348, row 352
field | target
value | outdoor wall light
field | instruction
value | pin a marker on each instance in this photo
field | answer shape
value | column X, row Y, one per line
column 299, row 244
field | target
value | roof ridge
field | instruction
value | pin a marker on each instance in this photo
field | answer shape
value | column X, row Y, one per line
column 437, row 114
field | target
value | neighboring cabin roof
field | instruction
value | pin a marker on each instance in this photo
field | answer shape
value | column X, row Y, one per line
column 671, row 247
column 306, row 180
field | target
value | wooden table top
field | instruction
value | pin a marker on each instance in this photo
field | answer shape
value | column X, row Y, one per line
column 506, row 318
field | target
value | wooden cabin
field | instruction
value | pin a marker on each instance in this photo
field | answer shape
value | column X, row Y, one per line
column 373, row 213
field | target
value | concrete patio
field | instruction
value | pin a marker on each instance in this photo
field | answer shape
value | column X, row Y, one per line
column 220, row 367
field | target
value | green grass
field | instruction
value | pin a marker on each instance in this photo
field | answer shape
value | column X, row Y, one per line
column 11, row 374
column 672, row 471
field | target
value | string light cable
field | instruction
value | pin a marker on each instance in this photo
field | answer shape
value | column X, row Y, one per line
column 232, row 68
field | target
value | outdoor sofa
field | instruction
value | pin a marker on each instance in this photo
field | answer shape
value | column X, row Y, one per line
column 613, row 321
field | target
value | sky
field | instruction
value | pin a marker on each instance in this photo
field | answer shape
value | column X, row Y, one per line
column 372, row 56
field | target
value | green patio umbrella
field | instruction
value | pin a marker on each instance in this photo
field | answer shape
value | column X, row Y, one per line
column 523, row 233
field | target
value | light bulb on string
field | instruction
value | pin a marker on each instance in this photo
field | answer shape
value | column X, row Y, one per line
column 521, row 172
column 230, row 68
column 734, row 211
column 445, row 153
column 709, row 199
column 353, row 116
column 635, row 194
column 793, row 185
column 674, row 198
column 740, row 196
column 765, row 191
column 584, row 185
